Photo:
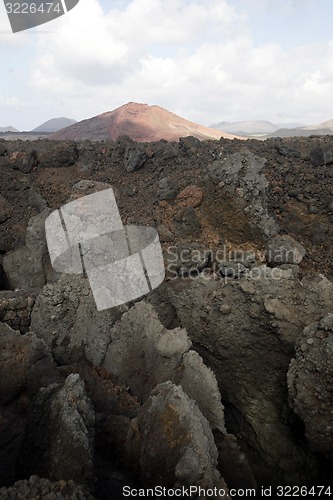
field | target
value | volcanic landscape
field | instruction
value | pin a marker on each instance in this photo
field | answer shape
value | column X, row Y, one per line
column 221, row 377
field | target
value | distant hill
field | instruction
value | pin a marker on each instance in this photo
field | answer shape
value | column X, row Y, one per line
column 298, row 132
column 246, row 127
column 8, row 129
column 264, row 129
column 141, row 122
column 324, row 128
column 328, row 124
column 290, row 125
column 54, row 125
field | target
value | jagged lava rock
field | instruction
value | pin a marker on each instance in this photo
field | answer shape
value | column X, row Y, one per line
column 143, row 354
column 173, row 441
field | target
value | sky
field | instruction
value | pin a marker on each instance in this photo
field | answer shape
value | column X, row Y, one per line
column 208, row 61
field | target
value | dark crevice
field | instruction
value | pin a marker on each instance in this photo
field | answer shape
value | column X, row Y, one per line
column 4, row 283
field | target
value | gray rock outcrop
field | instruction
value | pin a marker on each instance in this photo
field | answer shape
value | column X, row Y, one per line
column 310, row 379
column 262, row 313
column 134, row 158
column 283, row 249
column 15, row 309
column 66, row 318
column 25, row 366
column 59, row 439
column 143, row 354
column 27, row 357
column 173, row 441
column 24, row 267
column 36, row 488
column 241, row 174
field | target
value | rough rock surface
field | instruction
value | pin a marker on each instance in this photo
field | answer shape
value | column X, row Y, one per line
column 25, row 366
column 59, row 439
column 249, row 187
column 214, row 200
column 143, row 354
column 66, row 318
column 37, row 488
column 5, row 209
column 185, row 453
column 24, row 161
column 246, row 330
column 283, row 249
column 57, row 156
column 24, row 267
column 232, row 463
column 248, row 191
column 135, row 158
column 310, row 379
column 15, row 309
column 28, row 358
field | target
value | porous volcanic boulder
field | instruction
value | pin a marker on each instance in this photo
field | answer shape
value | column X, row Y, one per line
column 142, row 352
column 86, row 187
column 186, row 222
column 283, row 249
column 167, row 189
column 134, row 158
column 321, row 155
column 24, row 161
column 58, row 155
column 310, row 380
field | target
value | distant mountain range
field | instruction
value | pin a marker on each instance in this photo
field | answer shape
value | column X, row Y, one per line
column 48, row 127
column 54, row 125
column 263, row 129
column 246, row 127
column 144, row 123
column 8, row 129
column 141, row 122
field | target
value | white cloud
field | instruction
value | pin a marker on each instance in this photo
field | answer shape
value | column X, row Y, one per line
column 93, row 47
column 196, row 58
